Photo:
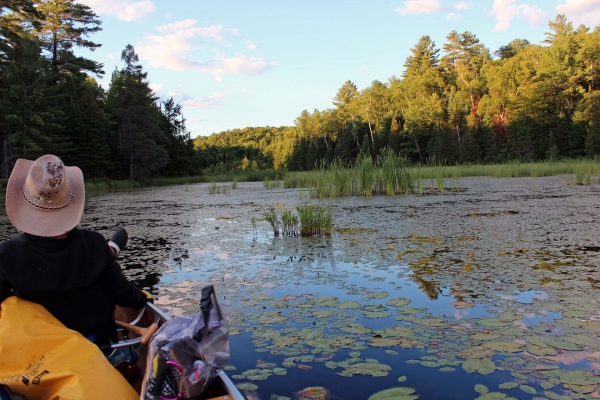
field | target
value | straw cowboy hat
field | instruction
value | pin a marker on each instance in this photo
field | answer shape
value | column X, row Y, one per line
column 44, row 197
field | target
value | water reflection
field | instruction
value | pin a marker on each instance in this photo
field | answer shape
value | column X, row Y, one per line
column 492, row 265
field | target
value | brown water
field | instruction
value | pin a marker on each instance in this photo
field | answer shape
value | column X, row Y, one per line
column 498, row 285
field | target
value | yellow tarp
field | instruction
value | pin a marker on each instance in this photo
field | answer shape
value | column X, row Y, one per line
column 41, row 359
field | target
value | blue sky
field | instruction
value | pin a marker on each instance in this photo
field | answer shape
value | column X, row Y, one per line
column 233, row 63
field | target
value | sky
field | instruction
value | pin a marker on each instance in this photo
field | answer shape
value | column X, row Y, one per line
column 233, row 64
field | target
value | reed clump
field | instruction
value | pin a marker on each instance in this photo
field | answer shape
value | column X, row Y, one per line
column 310, row 221
column 314, row 220
column 391, row 174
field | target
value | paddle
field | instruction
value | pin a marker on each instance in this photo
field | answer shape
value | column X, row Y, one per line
column 145, row 333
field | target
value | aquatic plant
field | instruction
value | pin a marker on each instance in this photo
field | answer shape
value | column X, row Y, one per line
column 213, row 188
column 271, row 217
column 314, row 220
column 289, row 223
column 364, row 166
column 234, row 183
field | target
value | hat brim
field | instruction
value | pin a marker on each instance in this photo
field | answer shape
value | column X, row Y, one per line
column 32, row 220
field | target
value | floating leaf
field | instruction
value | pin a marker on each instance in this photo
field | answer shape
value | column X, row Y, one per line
column 476, row 352
column 492, row 396
column 373, row 369
column 484, row 366
column 447, row 369
column 356, row 328
column 507, row 347
column 579, row 377
column 400, row 302
column 383, row 342
column 581, row 388
column 493, row 322
column 431, row 322
column 508, row 385
column 322, row 314
column 283, row 341
column 481, row 389
column 380, row 295
column 349, row 305
column 397, row 393
column 246, row 386
column 528, row 389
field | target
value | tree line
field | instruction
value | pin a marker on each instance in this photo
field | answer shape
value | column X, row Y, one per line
column 457, row 104
column 50, row 101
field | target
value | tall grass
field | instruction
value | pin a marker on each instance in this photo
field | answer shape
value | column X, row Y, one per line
column 310, row 221
column 314, row 220
column 391, row 175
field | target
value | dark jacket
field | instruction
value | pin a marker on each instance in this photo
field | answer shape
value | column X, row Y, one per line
column 77, row 279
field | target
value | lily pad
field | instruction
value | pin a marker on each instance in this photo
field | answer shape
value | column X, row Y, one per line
column 483, row 366
column 579, row 377
column 400, row 302
column 397, row 393
column 507, row 347
column 246, row 386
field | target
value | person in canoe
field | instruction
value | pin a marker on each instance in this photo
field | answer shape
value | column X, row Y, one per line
column 70, row 271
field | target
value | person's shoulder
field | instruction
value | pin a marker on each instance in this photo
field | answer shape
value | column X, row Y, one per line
column 12, row 244
column 90, row 236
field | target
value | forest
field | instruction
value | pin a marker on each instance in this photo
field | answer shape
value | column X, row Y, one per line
column 458, row 104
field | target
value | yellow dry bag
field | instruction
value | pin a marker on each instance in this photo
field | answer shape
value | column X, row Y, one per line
column 42, row 359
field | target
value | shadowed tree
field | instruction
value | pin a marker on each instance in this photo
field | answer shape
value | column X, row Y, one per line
column 133, row 106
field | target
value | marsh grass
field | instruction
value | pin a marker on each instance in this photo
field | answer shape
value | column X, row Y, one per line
column 269, row 184
column 310, row 221
column 271, row 218
column 234, row 183
column 391, row 175
column 314, row 220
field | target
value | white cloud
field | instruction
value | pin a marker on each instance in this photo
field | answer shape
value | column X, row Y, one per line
column 250, row 45
column 506, row 10
column 156, row 87
column 535, row 15
column 179, row 46
column 217, row 96
column 218, row 79
column 581, row 11
column 419, row 7
column 453, row 16
column 211, row 101
column 125, row 10
column 240, row 64
column 461, row 6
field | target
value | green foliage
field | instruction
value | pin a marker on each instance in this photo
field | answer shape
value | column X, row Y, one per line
column 454, row 103
column 314, row 220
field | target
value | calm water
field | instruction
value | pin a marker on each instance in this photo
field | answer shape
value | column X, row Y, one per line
column 500, row 279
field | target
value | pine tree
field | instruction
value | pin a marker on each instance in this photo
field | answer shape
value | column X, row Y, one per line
column 133, row 106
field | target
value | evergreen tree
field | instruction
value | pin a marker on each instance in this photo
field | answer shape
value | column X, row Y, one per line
column 137, row 117
column 67, row 25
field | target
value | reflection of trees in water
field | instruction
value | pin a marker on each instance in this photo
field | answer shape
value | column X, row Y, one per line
column 430, row 288
column 312, row 255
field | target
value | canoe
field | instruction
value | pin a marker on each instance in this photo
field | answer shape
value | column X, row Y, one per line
column 221, row 388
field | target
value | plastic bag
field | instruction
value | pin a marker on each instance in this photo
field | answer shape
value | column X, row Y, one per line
column 187, row 353
column 40, row 358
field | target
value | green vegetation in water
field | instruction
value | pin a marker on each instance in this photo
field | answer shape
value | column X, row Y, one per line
column 392, row 175
column 215, row 189
column 310, row 221
column 269, row 184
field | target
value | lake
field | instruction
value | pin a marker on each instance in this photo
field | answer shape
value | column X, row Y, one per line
column 490, row 291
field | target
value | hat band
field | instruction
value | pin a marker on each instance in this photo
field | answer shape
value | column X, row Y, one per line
column 50, row 208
